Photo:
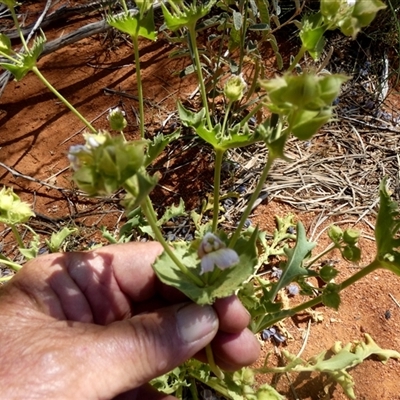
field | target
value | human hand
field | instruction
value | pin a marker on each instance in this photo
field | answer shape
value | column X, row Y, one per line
column 99, row 324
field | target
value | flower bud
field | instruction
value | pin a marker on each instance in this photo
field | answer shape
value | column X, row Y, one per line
column 104, row 163
column 235, row 87
column 12, row 209
column 330, row 87
column 351, row 236
column 335, row 233
column 116, row 118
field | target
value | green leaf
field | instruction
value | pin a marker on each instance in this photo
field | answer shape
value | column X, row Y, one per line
column 386, row 231
column 139, row 186
column 228, row 281
column 27, row 60
column 56, row 239
column 210, row 136
column 172, row 212
column 139, row 24
column 173, row 22
column 330, row 296
column 305, row 124
column 294, row 266
column 32, row 251
column 160, row 142
column 237, row 20
column 5, row 44
column 189, row 118
column 312, row 34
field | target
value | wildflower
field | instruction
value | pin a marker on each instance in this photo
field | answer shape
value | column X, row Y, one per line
column 272, row 333
column 292, row 289
column 213, row 252
column 12, row 209
column 116, row 118
column 235, row 87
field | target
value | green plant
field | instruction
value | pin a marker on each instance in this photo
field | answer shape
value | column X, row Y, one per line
column 218, row 263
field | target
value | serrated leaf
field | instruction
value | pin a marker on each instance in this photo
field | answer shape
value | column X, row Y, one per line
column 386, row 231
column 56, row 239
column 228, row 281
column 139, row 24
column 173, row 22
column 27, row 60
column 159, row 143
column 190, row 118
column 172, row 212
column 294, row 266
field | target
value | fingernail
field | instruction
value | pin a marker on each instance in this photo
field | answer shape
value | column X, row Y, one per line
column 196, row 322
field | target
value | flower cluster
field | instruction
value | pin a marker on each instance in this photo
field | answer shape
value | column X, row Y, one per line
column 213, row 252
column 116, row 118
column 235, row 87
column 350, row 15
column 104, row 163
column 305, row 100
column 12, row 209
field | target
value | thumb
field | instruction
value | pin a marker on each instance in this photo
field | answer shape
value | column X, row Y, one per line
column 149, row 345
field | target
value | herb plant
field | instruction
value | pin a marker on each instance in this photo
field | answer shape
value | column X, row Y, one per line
column 220, row 262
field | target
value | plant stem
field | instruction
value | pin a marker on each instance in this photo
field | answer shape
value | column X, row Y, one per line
column 252, row 200
column 317, row 300
column 17, row 26
column 135, row 42
column 150, row 214
column 219, row 153
column 14, row 266
column 195, row 51
column 17, row 236
column 320, row 255
column 251, row 113
column 214, row 367
column 298, row 57
column 36, row 71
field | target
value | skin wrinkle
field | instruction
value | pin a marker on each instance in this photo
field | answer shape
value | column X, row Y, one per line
column 107, row 301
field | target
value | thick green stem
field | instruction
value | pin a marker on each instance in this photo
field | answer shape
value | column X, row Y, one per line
column 150, row 214
column 214, row 367
column 135, row 42
column 219, row 153
column 251, row 202
column 36, row 71
column 195, row 51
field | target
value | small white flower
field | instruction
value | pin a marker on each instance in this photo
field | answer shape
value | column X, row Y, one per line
column 213, row 252
column 116, row 118
column 73, row 155
column 351, row 3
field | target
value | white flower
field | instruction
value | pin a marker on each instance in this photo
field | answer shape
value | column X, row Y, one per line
column 116, row 118
column 213, row 252
column 351, row 3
